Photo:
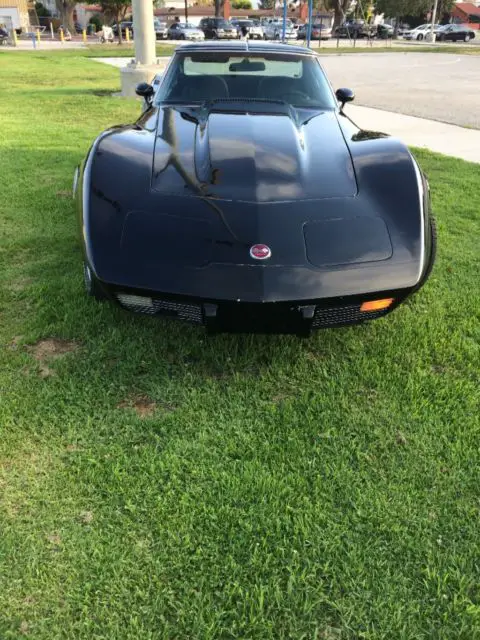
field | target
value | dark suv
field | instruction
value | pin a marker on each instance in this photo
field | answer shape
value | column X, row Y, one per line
column 218, row 28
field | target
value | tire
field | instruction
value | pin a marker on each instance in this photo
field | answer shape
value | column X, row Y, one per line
column 420, row 36
column 91, row 284
column 467, row 38
column 182, row 36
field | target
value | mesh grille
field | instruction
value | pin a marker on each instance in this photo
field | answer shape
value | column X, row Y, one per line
column 348, row 314
column 189, row 312
column 182, row 311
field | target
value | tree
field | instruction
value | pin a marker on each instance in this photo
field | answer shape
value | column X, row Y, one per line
column 399, row 8
column 266, row 4
column 116, row 9
column 340, row 8
column 65, row 8
column 241, row 4
column 218, row 8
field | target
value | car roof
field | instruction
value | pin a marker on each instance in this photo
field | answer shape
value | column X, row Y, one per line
column 245, row 45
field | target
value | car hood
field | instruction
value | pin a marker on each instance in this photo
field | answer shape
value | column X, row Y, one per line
column 233, row 155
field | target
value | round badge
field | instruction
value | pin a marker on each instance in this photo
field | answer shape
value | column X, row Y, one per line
column 260, row 252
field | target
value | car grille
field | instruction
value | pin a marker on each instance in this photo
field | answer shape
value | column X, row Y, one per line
column 284, row 317
column 189, row 312
column 338, row 316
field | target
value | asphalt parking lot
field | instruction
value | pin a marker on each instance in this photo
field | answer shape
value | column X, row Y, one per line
column 439, row 86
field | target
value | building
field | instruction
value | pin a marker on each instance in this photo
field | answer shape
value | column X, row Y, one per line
column 14, row 14
column 466, row 13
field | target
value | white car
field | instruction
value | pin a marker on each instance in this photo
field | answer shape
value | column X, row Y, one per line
column 420, row 33
column 273, row 30
column 254, row 29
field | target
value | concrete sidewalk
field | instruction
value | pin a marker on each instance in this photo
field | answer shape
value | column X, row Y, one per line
column 436, row 136
column 419, row 132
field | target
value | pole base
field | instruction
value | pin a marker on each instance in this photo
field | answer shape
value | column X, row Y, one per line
column 134, row 73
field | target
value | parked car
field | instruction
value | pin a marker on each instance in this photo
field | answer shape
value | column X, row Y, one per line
column 403, row 28
column 273, row 30
column 384, row 31
column 161, row 30
column 455, row 32
column 318, row 32
column 184, row 31
column 124, row 26
column 421, row 32
column 254, row 30
column 355, row 30
column 218, row 29
column 243, row 200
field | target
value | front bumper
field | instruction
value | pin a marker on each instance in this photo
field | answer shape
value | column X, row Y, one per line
column 297, row 317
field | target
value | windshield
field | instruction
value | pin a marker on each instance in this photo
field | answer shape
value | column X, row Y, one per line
column 223, row 24
column 293, row 79
column 187, row 25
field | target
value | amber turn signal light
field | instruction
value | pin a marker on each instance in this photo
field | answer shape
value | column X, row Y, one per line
column 376, row 305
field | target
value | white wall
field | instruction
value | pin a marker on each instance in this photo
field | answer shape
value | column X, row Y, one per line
column 10, row 14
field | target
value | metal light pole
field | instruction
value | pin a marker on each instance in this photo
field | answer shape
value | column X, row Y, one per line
column 144, row 33
column 142, row 69
column 309, row 25
column 434, row 15
column 284, row 26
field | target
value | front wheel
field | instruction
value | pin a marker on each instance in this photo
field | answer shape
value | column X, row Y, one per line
column 467, row 38
column 182, row 36
column 420, row 36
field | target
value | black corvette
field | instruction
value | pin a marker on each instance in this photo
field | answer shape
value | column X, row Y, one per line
column 245, row 199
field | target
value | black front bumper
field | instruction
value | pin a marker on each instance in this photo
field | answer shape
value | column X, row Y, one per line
column 220, row 316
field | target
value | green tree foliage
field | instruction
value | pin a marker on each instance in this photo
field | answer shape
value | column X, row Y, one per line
column 400, row 8
column 241, row 4
column 266, row 4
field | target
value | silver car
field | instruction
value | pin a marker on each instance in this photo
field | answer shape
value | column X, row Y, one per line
column 161, row 30
column 273, row 30
column 185, row 31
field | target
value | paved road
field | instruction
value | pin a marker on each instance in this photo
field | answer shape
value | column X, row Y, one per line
column 439, row 86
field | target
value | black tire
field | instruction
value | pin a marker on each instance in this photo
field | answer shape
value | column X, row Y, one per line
column 182, row 36
column 420, row 36
column 91, row 284
column 467, row 38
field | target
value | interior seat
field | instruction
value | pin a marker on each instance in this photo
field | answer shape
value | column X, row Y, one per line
column 201, row 87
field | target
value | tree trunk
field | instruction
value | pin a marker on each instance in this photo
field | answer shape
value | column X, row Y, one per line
column 119, row 24
column 218, row 8
column 338, row 17
column 67, row 17
column 397, row 26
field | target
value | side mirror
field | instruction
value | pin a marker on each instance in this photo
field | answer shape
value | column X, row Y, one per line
column 345, row 95
column 145, row 91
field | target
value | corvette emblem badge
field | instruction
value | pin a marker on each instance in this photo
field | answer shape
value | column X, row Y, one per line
column 260, row 252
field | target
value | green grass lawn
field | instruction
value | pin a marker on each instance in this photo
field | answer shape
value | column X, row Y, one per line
column 115, row 51
column 158, row 484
